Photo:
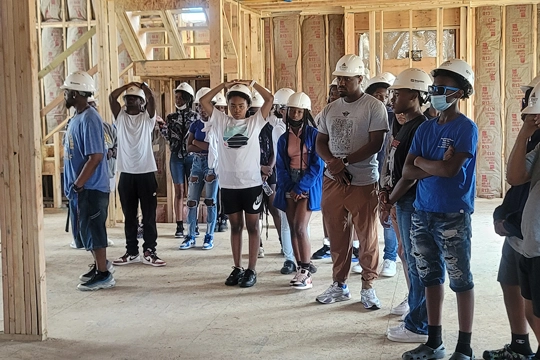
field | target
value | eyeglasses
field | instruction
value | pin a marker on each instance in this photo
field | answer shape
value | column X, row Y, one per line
column 440, row 90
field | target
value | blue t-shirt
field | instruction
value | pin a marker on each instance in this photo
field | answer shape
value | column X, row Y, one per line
column 439, row 194
column 196, row 129
column 84, row 137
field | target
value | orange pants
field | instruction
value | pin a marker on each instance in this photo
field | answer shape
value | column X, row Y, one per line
column 341, row 204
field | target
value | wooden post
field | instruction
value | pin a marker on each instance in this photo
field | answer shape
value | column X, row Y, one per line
column 21, row 214
column 381, row 43
column 502, row 71
column 57, row 175
column 410, row 37
column 299, row 77
column 463, row 33
column 440, row 32
column 372, row 41
column 215, row 20
column 535, row 40
column 349, row 33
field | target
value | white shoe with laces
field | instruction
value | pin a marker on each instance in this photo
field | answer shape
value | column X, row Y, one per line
column 334, row 294
column 369, row 299
column 388, row 268
column 401, row 334
column 357, row 269
column 401, row 309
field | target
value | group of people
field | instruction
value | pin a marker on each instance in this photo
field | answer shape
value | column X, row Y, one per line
column 400, row 153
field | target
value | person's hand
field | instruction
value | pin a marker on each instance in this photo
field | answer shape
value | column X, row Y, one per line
column 384, row 214
column 449, row 153
column 160, row 121
column 393, row 213
column 294, row 195
column 335, row 166
column 342, row 178
column 110, row 153
column 135, row 83
column 530, row 125
column 499, row 228
column 383, row 196
column 266, row 170
column 264, row 177
column 417, row 161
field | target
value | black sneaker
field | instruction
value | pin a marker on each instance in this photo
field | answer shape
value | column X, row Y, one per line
column 288, row 267
column 249, row 279
column 312, row 268
column 235, row 276
column 322, row 253
column 179, row 232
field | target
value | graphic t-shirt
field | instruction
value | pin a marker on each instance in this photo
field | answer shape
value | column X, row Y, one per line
column 85, row 137
column 238, row 149
column 348, row 126
column 176, row 130
column 442, row 194
column 530, row 225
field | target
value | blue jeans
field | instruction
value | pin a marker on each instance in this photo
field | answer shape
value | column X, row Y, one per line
column 416, row 321
column 286, row 241
column 199, row 172
column 442, row 241
column 390, row 242
column 180, row 167
column 93, row 209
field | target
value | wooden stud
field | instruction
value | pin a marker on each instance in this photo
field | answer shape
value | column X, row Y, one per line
column 381, row 43
column 57, row 176
column 410, row 37
column 215, row 20
column 502, row 72
column 178, row 49
column 349, row 31
column 440, row 33
column 129, row 37
column 272, row 56
column 372, row 42
column 240, row 47
column 535, row 40
column 229, row 48
column 299, row 75
column 327, row 52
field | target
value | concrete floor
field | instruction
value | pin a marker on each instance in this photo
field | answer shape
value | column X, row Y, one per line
column 184, row 311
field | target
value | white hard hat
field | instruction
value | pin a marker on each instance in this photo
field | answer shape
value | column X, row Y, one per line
column 257, row 100
column 414, row 79
column 349, row 65
column 460, row 67
column 185, row 87
column 79, row 81
column 533, row 107
column 200, row 93
column 299, row 100
column 219, row 100
column 135, row 91
column 240, row 88
column 282, row 96
column 91, row 99
column 531, row 85
column 334, row 83
column 384, row 78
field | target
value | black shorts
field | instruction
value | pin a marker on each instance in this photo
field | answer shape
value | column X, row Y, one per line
column 509, row 266
column 248, row 200
column 529, row 281
column 272, row 179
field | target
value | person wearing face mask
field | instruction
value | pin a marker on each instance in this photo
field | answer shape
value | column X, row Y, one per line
column 442, row 160
column 507, row 222
column 299, row 171
column 239, row 168
column 176, row 130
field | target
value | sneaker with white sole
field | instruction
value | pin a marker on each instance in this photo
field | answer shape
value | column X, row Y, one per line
column 110, row 242
column 404, row 316
column 208, row 242
column 127, row 259
column 369, row 299
column 303, row 280
column 87, row 276
column 401, row 334
column 74, row 246
column 188, row 243
column 402, row 308
column 357, row 269
column 334, row 293
column 98, row 281
column 261, row 252
column 295, row 277
column 388, row 268
column 151, row 258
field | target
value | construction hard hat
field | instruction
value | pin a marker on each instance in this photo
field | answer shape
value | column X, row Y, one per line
column 334, row 83
column 534, row 102
column 459, row 67
column 185, row 87
column 219, row 100
column 414, row 79
column 531, row 85
column 79, row 81
column 135, row 91
column 200, row 93
column 384, row 78
column 240, row 88
column 257, row 100
column 282, row 96
column 91, row 99
column 299, row 100
column 349, row 65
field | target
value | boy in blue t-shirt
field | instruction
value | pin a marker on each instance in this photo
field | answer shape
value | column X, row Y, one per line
column 86, row 177
column 442, row 159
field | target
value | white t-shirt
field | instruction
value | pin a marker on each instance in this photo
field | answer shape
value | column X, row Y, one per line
column 278, row 130
column 135, row 154
column 238, row 149
column 348, row 126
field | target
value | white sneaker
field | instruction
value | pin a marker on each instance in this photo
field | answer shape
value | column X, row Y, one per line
column 295, row 278
column 369, row 299
column 110, row 242
column 357, row 269
column 73, row 246
column 401, row 309
column 127, row 259
column 334, row 293
column 261, row 252
column 401, row 334
column 388, row 268
column 404, row 316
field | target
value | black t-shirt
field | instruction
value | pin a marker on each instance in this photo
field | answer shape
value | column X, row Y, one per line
column 399, row 149
column 265, row 141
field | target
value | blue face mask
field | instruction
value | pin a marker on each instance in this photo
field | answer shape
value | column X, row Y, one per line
column 439, row 102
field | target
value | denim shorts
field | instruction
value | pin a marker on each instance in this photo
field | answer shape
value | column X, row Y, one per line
column 442, row 242
column 93, row 207
column 180, row 168
column 296, row 176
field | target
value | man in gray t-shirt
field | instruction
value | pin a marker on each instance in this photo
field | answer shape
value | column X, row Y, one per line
column 351, row 133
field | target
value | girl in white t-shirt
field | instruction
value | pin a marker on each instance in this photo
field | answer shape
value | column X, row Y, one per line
column 238, row 168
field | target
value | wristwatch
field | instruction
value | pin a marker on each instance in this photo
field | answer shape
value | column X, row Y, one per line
column 345, row 161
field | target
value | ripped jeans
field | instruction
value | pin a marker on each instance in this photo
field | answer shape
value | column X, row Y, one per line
column 202, row 177
column 442, row 242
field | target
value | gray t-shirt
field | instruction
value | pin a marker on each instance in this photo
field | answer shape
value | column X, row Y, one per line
column 111, row 143
column 348, row 126
column 530, row 223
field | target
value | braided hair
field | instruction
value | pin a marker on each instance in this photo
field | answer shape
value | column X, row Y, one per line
column 187, row 98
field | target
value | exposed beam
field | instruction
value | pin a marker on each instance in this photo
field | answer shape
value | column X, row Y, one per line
column 350, row 33
column 129, row 38
column 178, row 49
column 178, row 68
column 228, row 44
column 215, row 20
column 138, row 5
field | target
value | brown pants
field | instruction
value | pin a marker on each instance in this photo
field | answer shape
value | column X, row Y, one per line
column 340, row 204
